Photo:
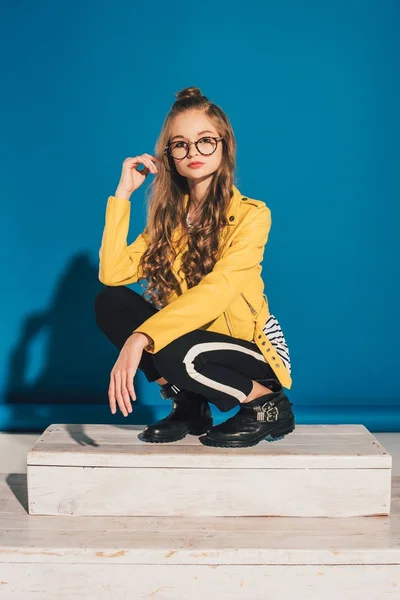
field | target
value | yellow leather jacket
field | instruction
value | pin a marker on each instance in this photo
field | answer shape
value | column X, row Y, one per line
column 230, row 299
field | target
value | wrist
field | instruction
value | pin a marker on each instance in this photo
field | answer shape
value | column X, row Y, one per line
column 121, row 193
column 142, row 339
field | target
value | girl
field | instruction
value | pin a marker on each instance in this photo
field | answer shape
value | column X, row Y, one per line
column 205, row 334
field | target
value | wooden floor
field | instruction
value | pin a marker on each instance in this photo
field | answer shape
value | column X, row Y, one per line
column 254, row 558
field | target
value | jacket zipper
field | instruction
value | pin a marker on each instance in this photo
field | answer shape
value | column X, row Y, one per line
column 253, row 310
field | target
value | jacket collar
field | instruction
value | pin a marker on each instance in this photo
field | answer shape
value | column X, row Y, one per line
column 233, row 206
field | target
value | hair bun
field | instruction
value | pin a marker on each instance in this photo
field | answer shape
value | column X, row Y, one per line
column 189, row 92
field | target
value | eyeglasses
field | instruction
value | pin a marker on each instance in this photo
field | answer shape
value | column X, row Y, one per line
column 205, row 145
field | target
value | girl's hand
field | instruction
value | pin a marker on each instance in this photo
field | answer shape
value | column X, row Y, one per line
column 131, row 177
column 122, row 374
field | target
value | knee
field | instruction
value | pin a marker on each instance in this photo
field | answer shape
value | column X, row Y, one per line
column 106, row 298
column 165, row 358
column 171, row 358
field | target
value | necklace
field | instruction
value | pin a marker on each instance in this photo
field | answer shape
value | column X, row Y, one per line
column 188, row 221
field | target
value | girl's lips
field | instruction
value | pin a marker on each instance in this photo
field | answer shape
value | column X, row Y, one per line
column 195, row 165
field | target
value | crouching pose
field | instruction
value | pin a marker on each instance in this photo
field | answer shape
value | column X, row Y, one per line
column 204, row 333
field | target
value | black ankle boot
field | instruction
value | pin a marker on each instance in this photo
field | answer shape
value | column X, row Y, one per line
column 268, row 417
column 190, row 413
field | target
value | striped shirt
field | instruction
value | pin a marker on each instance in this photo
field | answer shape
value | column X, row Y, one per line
column 274, row 333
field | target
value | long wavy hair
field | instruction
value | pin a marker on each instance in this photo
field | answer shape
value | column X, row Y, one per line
column 165, row 208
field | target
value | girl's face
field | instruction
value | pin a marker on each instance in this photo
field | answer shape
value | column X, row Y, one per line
column 191, row 126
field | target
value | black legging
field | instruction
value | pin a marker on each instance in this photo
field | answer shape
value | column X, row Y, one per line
column 218, row 366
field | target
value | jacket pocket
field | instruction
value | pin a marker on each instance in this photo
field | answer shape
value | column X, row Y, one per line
column 239, row 320
column 253, row 312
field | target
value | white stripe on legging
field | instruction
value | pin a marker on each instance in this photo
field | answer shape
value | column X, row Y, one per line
column 209, row 347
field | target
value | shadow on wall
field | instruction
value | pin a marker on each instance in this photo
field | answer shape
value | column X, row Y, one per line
column 76, row 361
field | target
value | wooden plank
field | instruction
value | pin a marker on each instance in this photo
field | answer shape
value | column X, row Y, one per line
column 196, row 540
column 317, row 446
column 24, row 581
column 193, row 548
column 208, row 492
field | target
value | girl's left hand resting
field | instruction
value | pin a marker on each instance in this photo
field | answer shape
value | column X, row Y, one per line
column 123, row 372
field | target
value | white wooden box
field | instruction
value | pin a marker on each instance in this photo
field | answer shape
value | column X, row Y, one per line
column 316, row 471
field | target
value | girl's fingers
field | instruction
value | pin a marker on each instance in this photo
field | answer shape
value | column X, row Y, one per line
column 125, row 393
column 151, row 165
column 111, row 394
column 129, row 383
column 151, row 160
column 145, row 159
column 118, row 394
column 146, row 163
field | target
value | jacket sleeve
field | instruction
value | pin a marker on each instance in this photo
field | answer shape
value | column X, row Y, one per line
column 215, row 292
column 118, row 262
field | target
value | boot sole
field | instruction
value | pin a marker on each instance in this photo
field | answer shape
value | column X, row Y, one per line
column 146, row 437
column 270, row 437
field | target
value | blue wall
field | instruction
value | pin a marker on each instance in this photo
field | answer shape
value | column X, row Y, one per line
column 312, row 91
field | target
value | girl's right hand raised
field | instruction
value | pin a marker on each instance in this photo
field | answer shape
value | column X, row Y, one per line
column 131, row 178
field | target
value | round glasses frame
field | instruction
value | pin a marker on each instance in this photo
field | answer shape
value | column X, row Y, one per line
column 188, row 144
